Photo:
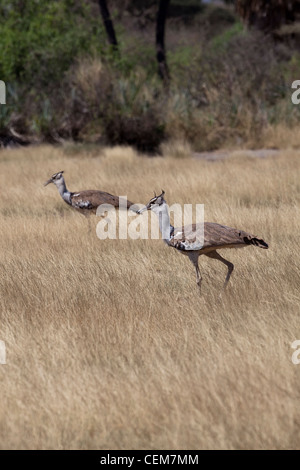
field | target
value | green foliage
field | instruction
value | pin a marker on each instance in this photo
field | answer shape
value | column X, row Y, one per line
column 133, row 56
column 65, row 82
column 232, row 92
column 221, row 41
column 122, row 108
column 182, row 57
column 40, row 39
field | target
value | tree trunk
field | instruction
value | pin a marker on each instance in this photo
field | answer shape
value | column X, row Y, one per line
column 160, row 40
column 110, row 31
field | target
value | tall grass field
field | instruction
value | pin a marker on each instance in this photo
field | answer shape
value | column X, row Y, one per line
column 109, row 344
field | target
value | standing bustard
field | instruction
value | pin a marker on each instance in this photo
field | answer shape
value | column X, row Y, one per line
column 85, row 202
column 189, row 238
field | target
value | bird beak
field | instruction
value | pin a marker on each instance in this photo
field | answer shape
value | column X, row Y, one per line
column 143, row 209
column 48, row 182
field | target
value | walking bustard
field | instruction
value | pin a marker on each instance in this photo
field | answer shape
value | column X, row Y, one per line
column 85, row 202
column 189, row 239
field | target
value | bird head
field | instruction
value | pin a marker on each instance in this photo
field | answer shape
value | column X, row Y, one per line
column 56, row 178
column 154, row 203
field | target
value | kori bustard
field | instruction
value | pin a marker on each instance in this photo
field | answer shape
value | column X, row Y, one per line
column 88, row 201
column 193, row 241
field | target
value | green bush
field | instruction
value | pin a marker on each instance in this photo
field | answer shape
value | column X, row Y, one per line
column 230, row 93
column 64, row 82
column 121, row 108
column 40, row 40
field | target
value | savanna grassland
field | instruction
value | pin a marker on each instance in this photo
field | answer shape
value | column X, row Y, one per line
column 109, row 345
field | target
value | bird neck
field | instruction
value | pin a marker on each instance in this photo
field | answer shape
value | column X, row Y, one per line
column 166, row 228
column 62, row 189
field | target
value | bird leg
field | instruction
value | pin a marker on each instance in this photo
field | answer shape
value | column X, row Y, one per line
column 87, row 216
column 230, row 266
column 198, row 277
column 194, row 260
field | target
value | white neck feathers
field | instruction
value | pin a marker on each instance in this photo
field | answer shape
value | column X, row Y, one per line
column 166, row 228
column 62, row 189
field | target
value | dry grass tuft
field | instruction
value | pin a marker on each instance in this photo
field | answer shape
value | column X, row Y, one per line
column 176, row 149
column 109, row 345
column 282, row 136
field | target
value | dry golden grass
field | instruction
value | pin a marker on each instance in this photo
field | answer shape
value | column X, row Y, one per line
column 109, row 345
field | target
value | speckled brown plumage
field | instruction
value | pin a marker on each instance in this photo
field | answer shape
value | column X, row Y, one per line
column 201, row 239
column 216, row 236
column 88, row 201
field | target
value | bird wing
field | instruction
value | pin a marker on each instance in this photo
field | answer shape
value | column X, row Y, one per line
column 91, row 199
column 199, row 238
